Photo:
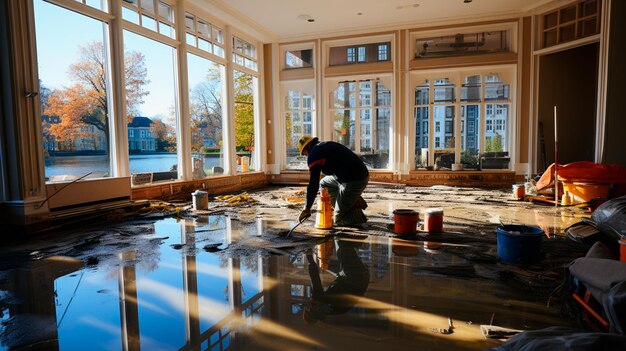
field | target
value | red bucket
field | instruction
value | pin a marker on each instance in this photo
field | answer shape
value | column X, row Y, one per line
column 405, row 221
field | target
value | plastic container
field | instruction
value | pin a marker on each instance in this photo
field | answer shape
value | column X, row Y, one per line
column 519, row 244
column 200, row 200
column 405, row 221
column 519, row 191
column 433, row 220
column 622, row 250
column 584, row 192
column 324, row 216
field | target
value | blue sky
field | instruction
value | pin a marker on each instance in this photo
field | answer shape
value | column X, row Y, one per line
column 60, row 33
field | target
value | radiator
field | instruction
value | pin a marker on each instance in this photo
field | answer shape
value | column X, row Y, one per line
column 88, row 196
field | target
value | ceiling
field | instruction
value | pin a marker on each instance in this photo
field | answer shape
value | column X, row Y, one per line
column 283, row 20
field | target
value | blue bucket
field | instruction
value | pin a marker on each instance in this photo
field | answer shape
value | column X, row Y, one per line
column 519, row 244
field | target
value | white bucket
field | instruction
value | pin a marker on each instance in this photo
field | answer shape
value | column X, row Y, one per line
column 200, row 200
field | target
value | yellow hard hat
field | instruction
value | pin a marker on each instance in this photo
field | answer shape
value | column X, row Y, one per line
column 304, row 141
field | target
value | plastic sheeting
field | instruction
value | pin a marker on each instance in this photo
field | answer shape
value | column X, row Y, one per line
column 584, row 172
column 610, row 217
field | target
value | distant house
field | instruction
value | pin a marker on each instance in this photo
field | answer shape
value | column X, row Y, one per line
column 204, row 135
column 87, row 138
column 140, row 137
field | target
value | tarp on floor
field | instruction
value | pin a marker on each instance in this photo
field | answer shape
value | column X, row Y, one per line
column 584, row 172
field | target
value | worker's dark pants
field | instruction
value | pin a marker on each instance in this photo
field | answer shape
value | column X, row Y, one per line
column 344, row 196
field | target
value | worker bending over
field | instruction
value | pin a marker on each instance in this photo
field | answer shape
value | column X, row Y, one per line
column 346, row 178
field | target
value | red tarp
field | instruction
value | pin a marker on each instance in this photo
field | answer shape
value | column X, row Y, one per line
column 584, row 172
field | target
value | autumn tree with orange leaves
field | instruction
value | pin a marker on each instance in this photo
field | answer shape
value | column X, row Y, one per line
column 85, row 103
column 244, row 111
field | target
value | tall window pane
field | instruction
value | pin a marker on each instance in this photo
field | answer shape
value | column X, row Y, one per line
column 422, row 92
column 75, row 93
column 444, row 136
column 496, row 155
column 470, row 121
column 444, row 116
column 205, row 110
column 361, row 120
column 245, row 91
column 497, row 115
column 298, row 122
column 151, row 108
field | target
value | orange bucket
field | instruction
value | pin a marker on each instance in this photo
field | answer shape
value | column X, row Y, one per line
column 405, row 221
column 584, row 192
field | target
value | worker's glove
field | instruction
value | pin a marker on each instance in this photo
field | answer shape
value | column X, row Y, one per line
column 306, row 213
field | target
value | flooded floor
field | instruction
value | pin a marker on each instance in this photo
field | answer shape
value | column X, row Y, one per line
column 229, row 278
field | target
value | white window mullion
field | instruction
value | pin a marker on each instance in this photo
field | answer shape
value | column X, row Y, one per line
column 183, row 132
column 229, row 110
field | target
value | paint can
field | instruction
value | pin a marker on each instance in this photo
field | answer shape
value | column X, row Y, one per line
column 519, row 191
column 200, row 200
column 433, row 220
column 622, row 250
column 405, row 221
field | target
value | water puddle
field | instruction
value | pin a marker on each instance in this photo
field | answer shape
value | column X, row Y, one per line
column 217, row 282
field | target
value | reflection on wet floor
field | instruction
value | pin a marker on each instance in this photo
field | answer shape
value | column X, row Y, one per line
column 212, row 282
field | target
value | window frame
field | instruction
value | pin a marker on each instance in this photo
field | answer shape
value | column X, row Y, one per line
column 303, row 86
column 332, row 83
column 456, row 76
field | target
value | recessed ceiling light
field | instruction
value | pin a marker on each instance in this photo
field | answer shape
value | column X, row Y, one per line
column 304, row 17
column 407, row 6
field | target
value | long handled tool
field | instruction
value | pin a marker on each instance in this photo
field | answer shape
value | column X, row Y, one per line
column 296, row 226
column 556, row 161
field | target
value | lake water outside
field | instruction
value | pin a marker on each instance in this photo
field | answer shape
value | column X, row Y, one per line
column 59, row 166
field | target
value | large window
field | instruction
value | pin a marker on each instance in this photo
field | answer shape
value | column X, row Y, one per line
column 206, row 102
column 299, row 58
column 244, row 53
column 152, row 106
column 75, row 88
column 365, row 53
column 299, row 110
column 471, row 93
column 480, row 138
column 463, row 44
column 245, row 87
column 204, row 35
column 155, row 15
column 361, row 112
column 245, row 139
